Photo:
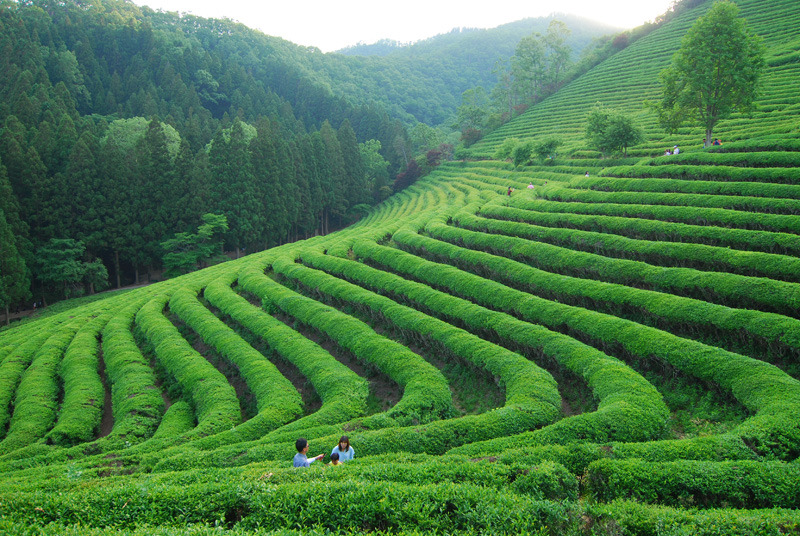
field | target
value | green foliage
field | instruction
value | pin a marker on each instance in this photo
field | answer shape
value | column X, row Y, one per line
column 60, row 264
column 187, row 252
column 714, row 73
column 546, row 149
column 521, row 153
column 505, row 151
column 740, row 484
column 636, row 328
column 609, row 131
column 125, row 134
column 14, row 279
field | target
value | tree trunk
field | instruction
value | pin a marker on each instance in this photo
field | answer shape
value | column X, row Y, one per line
column 8, row 316
column 116, row 266
column 136, row 275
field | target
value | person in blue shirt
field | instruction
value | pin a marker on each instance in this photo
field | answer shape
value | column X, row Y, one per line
column 301, row 458
column 344, row 450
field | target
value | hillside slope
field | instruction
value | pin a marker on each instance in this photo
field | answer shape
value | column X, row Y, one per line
column 618, row 353
column 630, row 77
column 439, row 69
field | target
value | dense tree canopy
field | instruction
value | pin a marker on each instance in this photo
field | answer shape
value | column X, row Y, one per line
column 120, row 127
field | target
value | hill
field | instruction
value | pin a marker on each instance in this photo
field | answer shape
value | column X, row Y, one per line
column 630, row 77
column 608, row 354
column 427, row 78
column 84, row 85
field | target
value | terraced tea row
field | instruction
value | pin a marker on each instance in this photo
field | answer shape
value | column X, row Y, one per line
column 607, row 344
column 629, row 78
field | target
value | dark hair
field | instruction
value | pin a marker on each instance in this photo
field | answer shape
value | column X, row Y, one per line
column 334, row 456
column 344, row 439
column 300, row 444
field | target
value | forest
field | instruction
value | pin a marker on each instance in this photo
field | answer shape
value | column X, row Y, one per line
column 122, row 127
column 113, row 116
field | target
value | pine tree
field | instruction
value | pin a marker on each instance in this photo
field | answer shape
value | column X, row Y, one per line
column 234, row 189
column 14, row 277
column 120, row 224
column 336, row 173
column 154, row 172
column 356, row 185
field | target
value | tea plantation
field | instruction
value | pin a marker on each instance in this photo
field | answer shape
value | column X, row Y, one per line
column 617, row 353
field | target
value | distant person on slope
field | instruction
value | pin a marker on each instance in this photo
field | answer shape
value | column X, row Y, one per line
column 676, row 150
column 300, row 459
column 717, row 142
column 531, row 186
column 344, row 450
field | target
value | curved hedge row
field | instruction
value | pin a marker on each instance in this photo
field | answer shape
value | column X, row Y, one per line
column 136, row 401
column 736, row 195
column 762, row 293
column 212, row 397
column 278, row 402
column 716, row 173
column 747, row 212
column 758, row 159
column 633, row 224
column 762, row 388
column 426, row 394
column 668, row 254
column 343, row 392
column 629, row 408
column 84, row 394
column 737, row 484
column 36, row 398
column 532, row 399
column 775, row 332
column 11, row 371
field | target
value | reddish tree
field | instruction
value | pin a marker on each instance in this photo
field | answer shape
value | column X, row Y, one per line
column 408, row 177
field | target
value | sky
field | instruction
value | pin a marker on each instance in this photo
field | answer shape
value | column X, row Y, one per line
column 335, row 24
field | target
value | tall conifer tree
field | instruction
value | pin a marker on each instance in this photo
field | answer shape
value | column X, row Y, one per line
column 356, row 187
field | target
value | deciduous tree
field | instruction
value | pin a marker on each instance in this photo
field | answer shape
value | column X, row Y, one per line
column 609, row 131
column 186, row 252
column 715, row 72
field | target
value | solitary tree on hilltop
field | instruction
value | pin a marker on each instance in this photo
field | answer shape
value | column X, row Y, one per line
column 714, row 73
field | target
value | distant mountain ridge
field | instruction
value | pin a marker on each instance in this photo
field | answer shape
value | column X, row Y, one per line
column 507, row 35
column 451, row 63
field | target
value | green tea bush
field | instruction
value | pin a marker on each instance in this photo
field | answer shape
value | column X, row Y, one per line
column 771, row 330
column 277, row 400
column 730, row 289
column 425, row 393
column 343, row 392
column 760, row 387
column 739, row 484
column 719, row 173
column 36, row 399
column 209, row 392
column 84, row 394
